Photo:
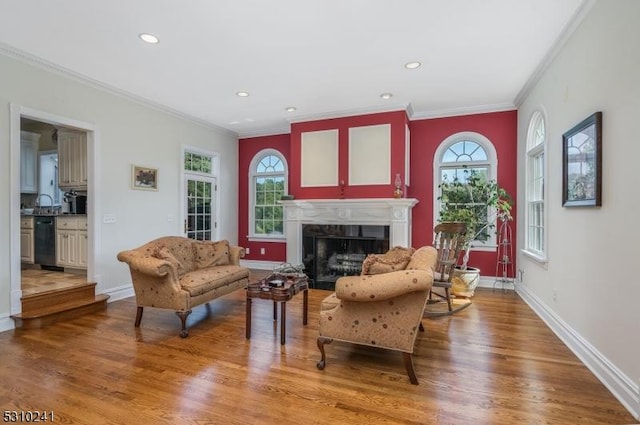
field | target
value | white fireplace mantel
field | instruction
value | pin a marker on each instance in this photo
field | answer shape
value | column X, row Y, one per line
column 395, row 213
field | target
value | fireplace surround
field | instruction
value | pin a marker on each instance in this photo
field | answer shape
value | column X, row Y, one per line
column 375, row 219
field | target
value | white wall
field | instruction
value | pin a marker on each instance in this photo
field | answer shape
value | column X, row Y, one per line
column 126, row 132
column 592, row 252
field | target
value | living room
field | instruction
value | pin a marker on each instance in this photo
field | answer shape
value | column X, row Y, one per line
column 578, row 289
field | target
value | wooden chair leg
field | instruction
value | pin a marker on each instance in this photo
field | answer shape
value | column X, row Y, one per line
column 138, row 316
column 322, row 340
column 183, row 318
column 446, row 292
column 408, row 364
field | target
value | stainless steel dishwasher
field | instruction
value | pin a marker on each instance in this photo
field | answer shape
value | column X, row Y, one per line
column 45, row 240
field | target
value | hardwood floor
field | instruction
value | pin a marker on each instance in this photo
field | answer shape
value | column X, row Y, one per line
column 492, row 363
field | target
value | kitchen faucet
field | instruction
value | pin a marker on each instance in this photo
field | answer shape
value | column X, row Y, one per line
column 50, row 202
column 48, row 196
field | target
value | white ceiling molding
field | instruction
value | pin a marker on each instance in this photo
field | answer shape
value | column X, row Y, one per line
column 471, row 110
column 476, row 56
column 546, row 61
column 351, row 112
column 83, row 79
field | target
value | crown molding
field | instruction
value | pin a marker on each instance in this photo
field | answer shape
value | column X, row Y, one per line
column 467, row 110
column 274, row 131
column 325, row 116
column 562, row 39
column 389, row 107
column 38, row 62
column 440, row 113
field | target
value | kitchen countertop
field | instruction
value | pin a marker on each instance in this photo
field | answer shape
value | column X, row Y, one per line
column 53, row 215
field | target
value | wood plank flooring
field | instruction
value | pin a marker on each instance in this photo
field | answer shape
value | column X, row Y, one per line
column 492, row 363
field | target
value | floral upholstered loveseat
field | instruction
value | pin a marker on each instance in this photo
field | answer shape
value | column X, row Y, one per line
column 178, row 273
column 383, row 307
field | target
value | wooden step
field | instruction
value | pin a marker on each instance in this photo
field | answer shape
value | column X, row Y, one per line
column 44, row 300
column 59, row 312
column 44, row 308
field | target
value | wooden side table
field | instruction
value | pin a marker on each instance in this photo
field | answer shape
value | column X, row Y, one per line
column 279, row 288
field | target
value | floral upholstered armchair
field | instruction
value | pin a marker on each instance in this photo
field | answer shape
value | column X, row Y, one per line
column 382, row 307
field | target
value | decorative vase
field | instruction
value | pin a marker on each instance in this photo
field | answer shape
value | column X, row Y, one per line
column 464, row 282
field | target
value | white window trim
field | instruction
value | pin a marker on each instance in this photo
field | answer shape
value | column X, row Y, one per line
column 492, row 164
column 252, row 237
column 531, row 151
column 215, row 174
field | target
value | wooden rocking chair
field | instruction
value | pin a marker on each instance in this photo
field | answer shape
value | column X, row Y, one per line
column 448, row 241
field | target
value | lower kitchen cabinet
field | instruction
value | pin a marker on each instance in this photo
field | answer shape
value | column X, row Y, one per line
column 27, row 248
column 71, row 242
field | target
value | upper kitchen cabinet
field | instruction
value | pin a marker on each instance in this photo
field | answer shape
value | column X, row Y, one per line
column 29, row 162
column 72, row 160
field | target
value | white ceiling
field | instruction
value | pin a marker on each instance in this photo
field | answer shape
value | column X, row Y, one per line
column 325, row 57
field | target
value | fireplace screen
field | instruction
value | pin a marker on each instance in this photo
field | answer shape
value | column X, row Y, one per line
column 332, row 251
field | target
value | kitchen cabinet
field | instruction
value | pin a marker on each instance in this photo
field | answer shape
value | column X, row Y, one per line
column 29, row 162
column 27, row 248
column 71, row 242
column 72, row 160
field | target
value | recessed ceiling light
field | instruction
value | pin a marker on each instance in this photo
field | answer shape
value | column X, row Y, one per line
column 290, row 108
column 412, row 65
column 149, row 38
column 386, row 95
column 242, row 94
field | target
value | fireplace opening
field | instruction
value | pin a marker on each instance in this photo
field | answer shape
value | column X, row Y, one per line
column 332, row 251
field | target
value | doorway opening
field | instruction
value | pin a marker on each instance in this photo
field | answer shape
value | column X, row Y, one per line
column 53, row 237
column 45, row 200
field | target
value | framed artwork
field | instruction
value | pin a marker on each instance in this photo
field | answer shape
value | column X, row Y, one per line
column 144, row 178
column 582, row 163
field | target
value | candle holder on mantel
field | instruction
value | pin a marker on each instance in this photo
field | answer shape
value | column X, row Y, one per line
column 397, row 192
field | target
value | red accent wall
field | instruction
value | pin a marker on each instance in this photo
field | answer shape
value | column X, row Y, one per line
column 397, row 120
column 426, row 135
column 274, row 251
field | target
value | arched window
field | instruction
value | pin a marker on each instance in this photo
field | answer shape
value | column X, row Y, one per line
column 460, row 157
column 535, row 235
column 268, row 176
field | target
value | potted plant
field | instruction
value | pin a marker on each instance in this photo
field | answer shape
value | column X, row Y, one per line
column 478, row 202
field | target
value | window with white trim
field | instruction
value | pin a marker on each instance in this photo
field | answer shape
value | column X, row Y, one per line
column 268, row 176
column 458, row 158
column 535, row 237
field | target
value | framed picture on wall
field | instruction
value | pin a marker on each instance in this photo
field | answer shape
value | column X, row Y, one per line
column 582, row 163
column 144, row 178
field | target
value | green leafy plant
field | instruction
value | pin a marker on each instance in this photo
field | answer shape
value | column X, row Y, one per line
column 475, row 201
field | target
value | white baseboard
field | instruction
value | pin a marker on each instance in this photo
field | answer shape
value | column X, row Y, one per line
column 620, row 385
column 120, row 292
column 491, row 283
column 260, row 265
column 6, row 323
